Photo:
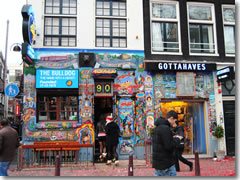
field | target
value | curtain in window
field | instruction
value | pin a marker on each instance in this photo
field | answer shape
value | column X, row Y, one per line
column 229, row 39
column 157, row 42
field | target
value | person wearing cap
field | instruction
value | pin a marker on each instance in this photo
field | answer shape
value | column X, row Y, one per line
column 112, row 131
column 163, row 145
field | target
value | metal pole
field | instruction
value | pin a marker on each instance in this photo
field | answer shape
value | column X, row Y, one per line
column 130, row 165
column 197, row 165
column 5, row 73
column 57, row 167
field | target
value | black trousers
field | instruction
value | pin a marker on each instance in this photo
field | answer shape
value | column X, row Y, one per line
column 112, row 152
column 178, row 156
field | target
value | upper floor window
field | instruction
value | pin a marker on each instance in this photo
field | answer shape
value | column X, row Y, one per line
column 60, row 31
column 60, row 23
column 229, row 29
column 202, row 33
column 68, row 7
column 165, row 27
column 111, row 23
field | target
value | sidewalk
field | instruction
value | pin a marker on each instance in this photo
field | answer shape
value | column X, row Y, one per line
column 208, row 167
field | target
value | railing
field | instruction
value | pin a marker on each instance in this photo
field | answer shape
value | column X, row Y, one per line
column 40, row 155
column 148, row 152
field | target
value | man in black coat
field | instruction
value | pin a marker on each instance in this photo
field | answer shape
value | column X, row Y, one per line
column 180, row 149
column 112, row 131
column 163, row 143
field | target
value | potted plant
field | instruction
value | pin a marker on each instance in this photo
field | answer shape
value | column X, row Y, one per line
column 219, row 134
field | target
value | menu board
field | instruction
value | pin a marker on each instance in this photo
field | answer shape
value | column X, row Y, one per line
column 185, row 84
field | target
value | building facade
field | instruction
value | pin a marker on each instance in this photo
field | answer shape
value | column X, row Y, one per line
column 129, row 58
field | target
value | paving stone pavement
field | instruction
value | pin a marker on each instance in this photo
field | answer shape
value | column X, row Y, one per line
column 208, row 167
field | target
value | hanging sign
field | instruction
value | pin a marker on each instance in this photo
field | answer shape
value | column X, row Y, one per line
column 225, row 74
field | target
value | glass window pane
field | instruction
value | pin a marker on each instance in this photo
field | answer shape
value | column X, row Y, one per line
column 72, row 22
column 55, row 30
column 207, row 39
column 122, row 5
column 55, row 41
column 73, row 3
column 63, row 115
column 65, row 30
column 99, row 12
column 106, row 12
column 72, row 42
column 106, row 42
column 123, row 43
column 99, row 4
column 115, row 32
column 72, row 31
column 55, row 21
column 65, row 3
column 65, row 10
column 48, row 10
column 48, row 30
column 200, row 12
column 99, row 42
column 48, row 21
column 122, row 12
column 115, row 12
column 47, row 41
column 229, row 14
column 56, row 2
column 123, row 24
column 56, row 10
column 106, row 4
column 163, row 10
column 115, row 23
column 73, row 11
column 115, row 42
column 123, row 32
column 106, row 23
column 106, row 31
column 99, row 23
column 229, row 39
column 165, row 37
column 49, row 2
column 53, row 116
column 99, row 32
column 65, row 22
column 115, row 5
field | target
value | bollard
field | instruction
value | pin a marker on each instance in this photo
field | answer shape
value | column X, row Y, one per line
column 130, row 165
column 197, row 165
column 57, row 168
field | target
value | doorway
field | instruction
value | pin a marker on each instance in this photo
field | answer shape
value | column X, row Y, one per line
column 102, row 107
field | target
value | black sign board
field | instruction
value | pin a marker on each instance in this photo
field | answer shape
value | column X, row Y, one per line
column 103, row 88
column 225, row 74
column 176, row 66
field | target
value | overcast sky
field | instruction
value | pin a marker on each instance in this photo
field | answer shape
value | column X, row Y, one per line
column 11, row 10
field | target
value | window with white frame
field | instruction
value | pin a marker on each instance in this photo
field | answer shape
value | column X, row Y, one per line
column 111, row 23
column 229, row 29
column 202, row 31
column 61, row 28
column 165, row 29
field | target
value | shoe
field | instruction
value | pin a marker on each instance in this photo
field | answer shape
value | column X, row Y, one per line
column 104, row 155
column 116, row 163
column 191, row 167
column 113, row 160
column 108, row 162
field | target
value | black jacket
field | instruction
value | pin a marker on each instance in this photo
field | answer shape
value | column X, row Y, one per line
column 112, row 131
column 163, row 145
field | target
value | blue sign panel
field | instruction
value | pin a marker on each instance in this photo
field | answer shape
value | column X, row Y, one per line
column 56, row 78
column 11, row 90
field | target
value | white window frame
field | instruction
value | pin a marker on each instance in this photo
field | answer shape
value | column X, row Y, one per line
column 212, row 22
column 230, row 24
column 177, row 20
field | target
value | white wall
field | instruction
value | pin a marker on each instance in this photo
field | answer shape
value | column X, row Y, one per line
column 86, row 25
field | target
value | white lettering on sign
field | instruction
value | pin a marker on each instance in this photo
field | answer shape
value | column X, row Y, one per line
column 181, row 66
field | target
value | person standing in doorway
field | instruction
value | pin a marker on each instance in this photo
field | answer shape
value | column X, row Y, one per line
column 163, row 145
column 112, row 132
column 8, row 144
column 178, row 130
column 101, row 137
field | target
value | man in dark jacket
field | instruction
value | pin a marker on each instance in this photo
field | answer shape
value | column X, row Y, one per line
column 8, row 145
column 180, row 148
column 112, row 132
column 163, row 145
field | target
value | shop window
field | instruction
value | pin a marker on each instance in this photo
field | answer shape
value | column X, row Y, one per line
column 202, row 31
column 57, row 108
column 165, row 27
column 229, row 29
column 111, row 23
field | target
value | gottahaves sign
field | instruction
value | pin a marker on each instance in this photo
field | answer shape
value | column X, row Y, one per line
column 56, row 78
column 175, row 66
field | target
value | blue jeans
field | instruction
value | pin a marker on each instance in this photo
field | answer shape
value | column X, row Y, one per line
column 4, row 168
column 166, row 172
